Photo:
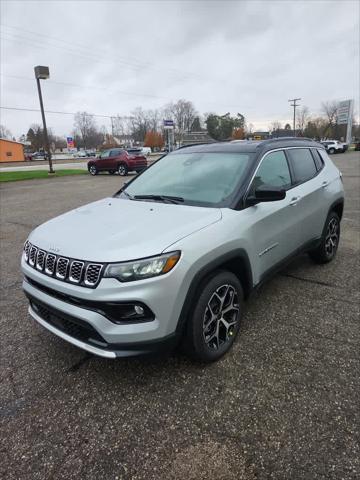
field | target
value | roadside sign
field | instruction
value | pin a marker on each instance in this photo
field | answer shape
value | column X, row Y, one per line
column 168, row 124
column 70, row 142
column 345, row 114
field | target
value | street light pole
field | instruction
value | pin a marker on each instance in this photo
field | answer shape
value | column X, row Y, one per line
column 43, row 73
column 294, row 104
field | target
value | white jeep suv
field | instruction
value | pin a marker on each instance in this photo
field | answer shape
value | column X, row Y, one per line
column 171, row 256
column 334, row 146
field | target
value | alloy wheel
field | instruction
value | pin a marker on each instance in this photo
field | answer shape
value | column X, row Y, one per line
column 332, row 237
column 122, row 170
column 221, row 317
column 92, row 170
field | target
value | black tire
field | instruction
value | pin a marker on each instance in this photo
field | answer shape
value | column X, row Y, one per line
column 122, row 169
column 206, row 337
column 111, row 172
column 93, row 170
column 330, row 238
column 331, row 150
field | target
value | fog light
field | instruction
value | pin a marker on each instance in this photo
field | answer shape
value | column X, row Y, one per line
column 139, row 309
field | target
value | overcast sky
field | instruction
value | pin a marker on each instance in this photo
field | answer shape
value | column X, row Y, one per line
column 225, row 56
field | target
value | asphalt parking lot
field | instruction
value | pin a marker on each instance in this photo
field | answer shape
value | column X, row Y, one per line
column 283, row 404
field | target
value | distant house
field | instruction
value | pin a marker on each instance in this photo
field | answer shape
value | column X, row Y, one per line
column 11, row 151
column 193, row 138
column 260, row 135
column 283, row 132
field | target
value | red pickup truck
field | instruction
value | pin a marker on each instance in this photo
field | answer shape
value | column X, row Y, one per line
column 117, row 160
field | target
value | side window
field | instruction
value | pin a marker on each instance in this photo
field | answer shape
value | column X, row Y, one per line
column 323, row 156
column 105, row 154
column 318, row 160
column 303, row 164
column 273, row 171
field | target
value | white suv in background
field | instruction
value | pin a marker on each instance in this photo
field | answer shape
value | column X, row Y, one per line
column 173, row 254
column 334, row 146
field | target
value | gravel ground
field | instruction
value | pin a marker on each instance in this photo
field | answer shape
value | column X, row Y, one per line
column 283, row 404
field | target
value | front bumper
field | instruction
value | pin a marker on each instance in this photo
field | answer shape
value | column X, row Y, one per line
column 73, row 322
column 79, row 334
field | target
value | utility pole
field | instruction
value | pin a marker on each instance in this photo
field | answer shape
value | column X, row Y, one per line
column 42, row 73
column 294, row 104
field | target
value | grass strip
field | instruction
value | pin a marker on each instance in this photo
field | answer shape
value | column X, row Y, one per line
column 34, row 174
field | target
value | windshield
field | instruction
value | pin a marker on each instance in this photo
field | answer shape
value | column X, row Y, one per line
column 194, row 178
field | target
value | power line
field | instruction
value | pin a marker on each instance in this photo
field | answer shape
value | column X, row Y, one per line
column 66, row 84
column 60, row 113
column 294, row 104
column 83, row 51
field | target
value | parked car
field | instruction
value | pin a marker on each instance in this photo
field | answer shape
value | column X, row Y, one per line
column 173, row 254
column 334, row 146
column 134, row 150
column 117, row 160
column 35, row 156
column 357, row 146
column 146, row 151
column 80, row 154
column 91, row 153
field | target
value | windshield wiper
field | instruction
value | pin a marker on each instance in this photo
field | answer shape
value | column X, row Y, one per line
column 162, row 198
column 126, row 193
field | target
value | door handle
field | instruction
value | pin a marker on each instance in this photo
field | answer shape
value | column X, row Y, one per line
column 294, row 201
column 324, row 184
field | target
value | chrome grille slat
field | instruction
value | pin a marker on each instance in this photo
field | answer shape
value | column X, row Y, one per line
column 50, row 263
column 27, row 247
column 86, row 274
column 76, row 269
column 92, row 273
column 61, row 267
column 32, row 255
column 40, row 260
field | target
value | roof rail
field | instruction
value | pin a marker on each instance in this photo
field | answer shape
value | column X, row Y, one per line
column 280, row 139
column 195, row 145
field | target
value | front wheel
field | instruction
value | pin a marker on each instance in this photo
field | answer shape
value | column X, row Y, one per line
column 122, row 170
column 327, row 249
column 93, row 170
column 215, row 320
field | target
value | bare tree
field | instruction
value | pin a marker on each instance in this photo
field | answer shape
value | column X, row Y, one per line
column 139, row 124
column 302, row 119
column 330, row 109
column 183, row 113
column 274, row 126
column 250, row 128
column 315, row 128
column 85, row 125
column 5, row 132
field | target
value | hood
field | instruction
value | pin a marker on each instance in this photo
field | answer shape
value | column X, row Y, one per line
column 115, row 230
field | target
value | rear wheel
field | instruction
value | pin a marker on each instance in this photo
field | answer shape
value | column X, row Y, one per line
column 331, row 150
column 215, row 320
column 93, row 170
column 327, row 249
column 122, row 170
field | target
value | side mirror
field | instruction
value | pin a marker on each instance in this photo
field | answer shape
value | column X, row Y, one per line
column 267, row 193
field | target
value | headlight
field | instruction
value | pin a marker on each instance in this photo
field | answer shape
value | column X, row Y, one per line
column 144, row 268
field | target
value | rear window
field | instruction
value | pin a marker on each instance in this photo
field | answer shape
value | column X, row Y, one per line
column 303, row 164
column 318, row 160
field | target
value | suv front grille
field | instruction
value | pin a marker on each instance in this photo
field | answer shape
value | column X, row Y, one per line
column 86, row 274
column 40, row 260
